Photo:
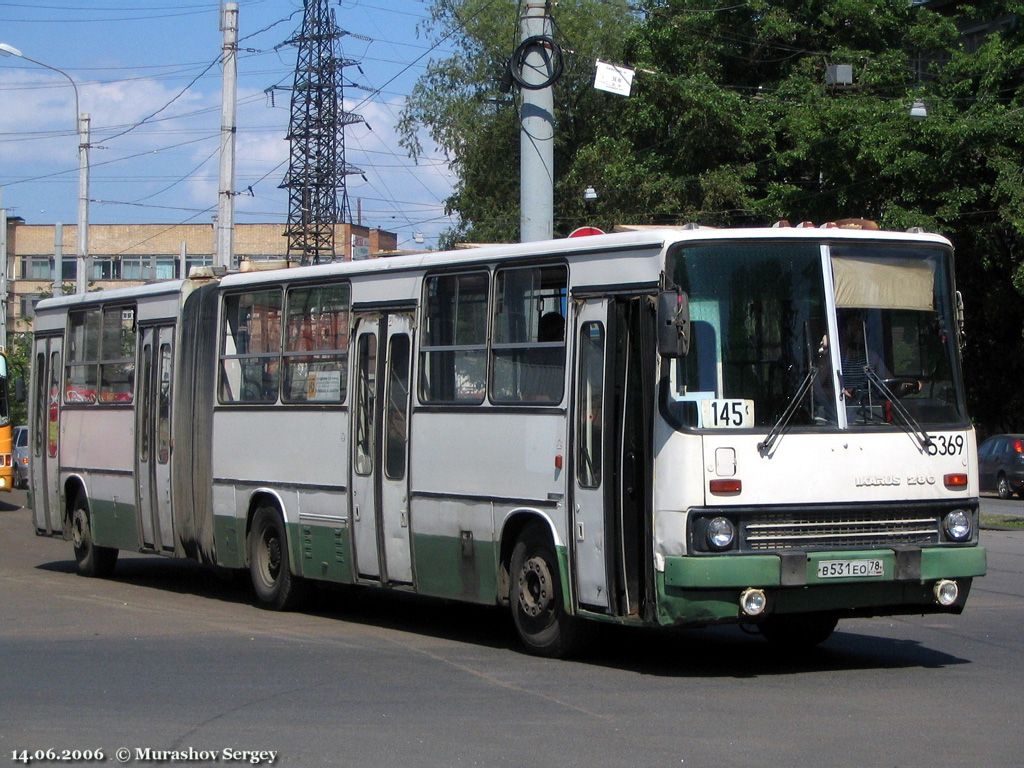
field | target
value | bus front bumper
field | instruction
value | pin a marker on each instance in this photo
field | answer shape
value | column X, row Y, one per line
column 706, row 589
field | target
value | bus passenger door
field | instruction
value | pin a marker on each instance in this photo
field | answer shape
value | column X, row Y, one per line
column 364, row 440
column 592, row 480
column 380, row 418
column 153, row 437
column 611, row 435
column 45, row 434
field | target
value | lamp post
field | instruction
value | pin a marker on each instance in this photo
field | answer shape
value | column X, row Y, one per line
column 82, row 129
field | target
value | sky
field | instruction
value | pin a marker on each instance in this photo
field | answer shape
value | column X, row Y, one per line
column 136, row 62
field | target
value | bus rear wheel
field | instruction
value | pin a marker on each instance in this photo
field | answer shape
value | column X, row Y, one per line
column 92, row 560
column 269, row 566
column 799, row 631
column 535, row 596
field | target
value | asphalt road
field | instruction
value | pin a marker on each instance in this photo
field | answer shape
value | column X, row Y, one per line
column 170, row 656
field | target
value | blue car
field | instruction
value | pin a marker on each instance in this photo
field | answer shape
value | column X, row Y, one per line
column 1001, row 465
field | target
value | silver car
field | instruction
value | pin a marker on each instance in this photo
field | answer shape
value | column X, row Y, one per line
column 21, row 457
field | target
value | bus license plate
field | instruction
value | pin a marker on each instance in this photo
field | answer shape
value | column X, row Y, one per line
column 850, row 569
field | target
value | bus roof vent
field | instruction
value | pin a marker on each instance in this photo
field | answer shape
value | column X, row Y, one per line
column 207, row 272
column 915, row 230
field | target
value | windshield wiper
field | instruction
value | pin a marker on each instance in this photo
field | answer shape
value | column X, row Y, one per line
column 901, row 410
column 765, row 447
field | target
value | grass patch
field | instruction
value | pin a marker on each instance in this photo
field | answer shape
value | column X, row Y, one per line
column 1003, row 521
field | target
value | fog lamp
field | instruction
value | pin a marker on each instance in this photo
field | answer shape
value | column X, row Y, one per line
column 946, row 592
column 958, row 525
column 753, row 601
column 721, row 533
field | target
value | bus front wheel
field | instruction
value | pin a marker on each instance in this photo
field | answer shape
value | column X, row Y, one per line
column 92, row 560
column 536, row 597
column 269, row 568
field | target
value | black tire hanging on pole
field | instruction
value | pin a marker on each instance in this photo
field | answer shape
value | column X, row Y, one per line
column 518, row 61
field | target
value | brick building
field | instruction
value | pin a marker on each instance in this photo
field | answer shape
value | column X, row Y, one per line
column 132, row 254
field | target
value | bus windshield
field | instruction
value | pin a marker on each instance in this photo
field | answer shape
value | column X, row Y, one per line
column 768, row 343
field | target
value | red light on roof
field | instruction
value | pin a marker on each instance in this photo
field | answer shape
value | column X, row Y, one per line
column 729, row 487
column 956, row 481
column 1018, row 446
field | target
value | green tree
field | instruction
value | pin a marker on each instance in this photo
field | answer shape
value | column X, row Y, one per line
column 731, row 122
column 460, row 102
column 18, row 367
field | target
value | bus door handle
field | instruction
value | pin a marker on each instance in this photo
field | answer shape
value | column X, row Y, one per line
column 629, row 471
column 357, row 513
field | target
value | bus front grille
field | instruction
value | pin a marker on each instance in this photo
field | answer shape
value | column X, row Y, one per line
column 836, row 530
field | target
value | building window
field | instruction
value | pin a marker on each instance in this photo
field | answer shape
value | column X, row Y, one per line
column 148, row 268
column 28, row 305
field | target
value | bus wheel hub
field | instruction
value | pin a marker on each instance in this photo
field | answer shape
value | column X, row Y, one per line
column 78, row 528
column 535, row 587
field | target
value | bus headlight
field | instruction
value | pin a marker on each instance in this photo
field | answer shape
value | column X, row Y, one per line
column 946, row 592
column 753, row 601
column 720, row 533
column 957, row 525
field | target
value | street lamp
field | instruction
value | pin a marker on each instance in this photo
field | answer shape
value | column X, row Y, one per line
column 82, row 129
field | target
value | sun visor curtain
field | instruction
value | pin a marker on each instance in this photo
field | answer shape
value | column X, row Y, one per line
column 884, row 283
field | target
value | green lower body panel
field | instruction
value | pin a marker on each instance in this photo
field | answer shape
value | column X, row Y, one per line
column 701, row 590
column 229, row 541
column 114, row 524
column 325, row 552
column 322, row 552
column 454, row 568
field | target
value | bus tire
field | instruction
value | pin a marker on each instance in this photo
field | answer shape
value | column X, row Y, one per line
column 269, row 568
column 92, row 560
column 799, row 631
column 535, row 597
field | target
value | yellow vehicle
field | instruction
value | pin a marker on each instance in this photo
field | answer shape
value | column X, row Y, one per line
column 6, row 463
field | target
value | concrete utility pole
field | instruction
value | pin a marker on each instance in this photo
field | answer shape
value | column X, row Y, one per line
column 536, row 142
column 84, row 262
column 58, row 259
column 3, row 273
column 226, row 196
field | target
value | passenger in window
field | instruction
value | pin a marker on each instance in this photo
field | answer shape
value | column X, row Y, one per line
column 544, row 373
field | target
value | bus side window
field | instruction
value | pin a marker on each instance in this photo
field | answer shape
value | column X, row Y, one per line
column 316, row 344
column 41, row 404
column 453, row 345
column 251, row 347
column 590, row 411
column 528, row 348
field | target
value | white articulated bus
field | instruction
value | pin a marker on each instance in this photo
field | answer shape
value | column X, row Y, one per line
column 667, row 427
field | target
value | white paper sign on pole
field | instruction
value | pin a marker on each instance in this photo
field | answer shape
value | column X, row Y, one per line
column 613, row 79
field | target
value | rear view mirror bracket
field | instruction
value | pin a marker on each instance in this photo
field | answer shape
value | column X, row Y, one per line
column 673, row 324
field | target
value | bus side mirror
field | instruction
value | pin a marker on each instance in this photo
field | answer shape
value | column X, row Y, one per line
column 673, row 324
column 19, row 390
